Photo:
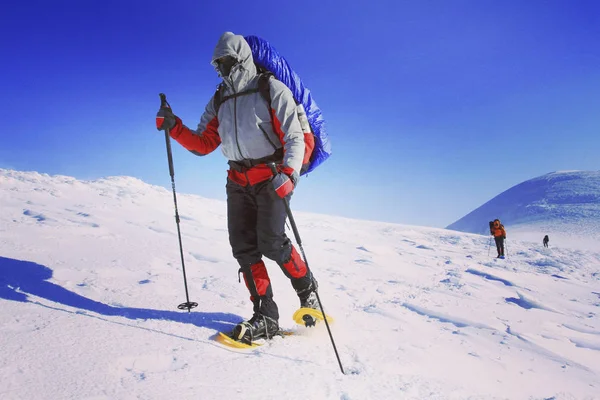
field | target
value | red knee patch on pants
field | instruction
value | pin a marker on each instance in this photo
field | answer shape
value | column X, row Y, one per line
column 295, row 266
column 260, row 278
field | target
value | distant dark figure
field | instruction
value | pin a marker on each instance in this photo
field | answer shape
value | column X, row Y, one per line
column 546, row 240
column 499, row 234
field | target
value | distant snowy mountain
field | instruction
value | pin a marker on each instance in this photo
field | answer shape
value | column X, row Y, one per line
column 564, row 205
column 91, row 276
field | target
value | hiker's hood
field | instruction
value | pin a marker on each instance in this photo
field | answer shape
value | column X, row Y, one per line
column 235, row 46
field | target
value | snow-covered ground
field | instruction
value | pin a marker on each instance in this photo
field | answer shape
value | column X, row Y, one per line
column 568, row 236
column 90, row 280
column 564, row 205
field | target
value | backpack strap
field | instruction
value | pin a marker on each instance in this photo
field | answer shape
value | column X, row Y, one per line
column 218, row 98
column 263, row 87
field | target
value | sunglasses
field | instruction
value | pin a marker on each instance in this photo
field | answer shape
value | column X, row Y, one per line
column 227, row 61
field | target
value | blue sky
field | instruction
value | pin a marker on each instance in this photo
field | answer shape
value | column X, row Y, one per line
column 432, row 107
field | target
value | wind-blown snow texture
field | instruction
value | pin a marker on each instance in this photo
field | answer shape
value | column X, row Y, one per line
column 565, row 205
column 90, row 279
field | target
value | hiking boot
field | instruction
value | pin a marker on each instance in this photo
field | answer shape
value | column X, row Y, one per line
column 310, row 301
column 308, row 296
column 258, row 327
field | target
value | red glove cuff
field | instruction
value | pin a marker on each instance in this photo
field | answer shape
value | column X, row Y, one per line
column 282, row 184
column 176, row 129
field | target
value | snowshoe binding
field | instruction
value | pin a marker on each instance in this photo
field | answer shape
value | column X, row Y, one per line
column 256, row 328
column 308, row 300
column 309, row 312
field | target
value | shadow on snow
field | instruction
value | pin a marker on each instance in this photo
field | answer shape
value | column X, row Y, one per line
column 18, row 279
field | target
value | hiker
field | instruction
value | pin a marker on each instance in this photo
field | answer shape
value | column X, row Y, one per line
column 497, row 230
column 252, row 135
column 546, row 240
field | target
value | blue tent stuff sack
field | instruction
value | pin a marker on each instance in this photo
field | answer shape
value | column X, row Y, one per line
column 267, row 57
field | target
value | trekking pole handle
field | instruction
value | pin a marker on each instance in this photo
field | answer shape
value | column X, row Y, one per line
column 165, row 104
column 273, row 168
column 163, row 101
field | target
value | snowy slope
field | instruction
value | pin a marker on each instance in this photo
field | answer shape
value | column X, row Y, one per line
column 565, row 205
column 90, row 280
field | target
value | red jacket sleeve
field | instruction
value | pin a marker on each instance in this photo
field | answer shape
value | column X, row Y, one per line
column 198, row 142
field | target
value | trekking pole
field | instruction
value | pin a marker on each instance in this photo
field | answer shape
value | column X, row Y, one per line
column 299, row 241
column 188, row 304
column 506, row 247
column 490, row 241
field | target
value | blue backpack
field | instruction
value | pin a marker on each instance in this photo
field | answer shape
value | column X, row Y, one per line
column 271, row 64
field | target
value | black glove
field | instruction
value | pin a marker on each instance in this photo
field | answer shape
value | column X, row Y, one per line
column 165, row 119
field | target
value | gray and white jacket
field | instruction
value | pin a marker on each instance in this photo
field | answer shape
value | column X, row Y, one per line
column 244, row 124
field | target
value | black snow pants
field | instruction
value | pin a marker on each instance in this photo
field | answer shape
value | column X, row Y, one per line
column 499, row 245
column 256, row 222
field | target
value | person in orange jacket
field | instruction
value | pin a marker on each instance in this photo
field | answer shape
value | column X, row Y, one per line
column 499, row 233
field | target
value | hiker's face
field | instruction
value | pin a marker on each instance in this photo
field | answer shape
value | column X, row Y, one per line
column 225, row 64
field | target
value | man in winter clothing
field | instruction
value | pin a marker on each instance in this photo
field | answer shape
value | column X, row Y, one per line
column 546, row 240
column 251, row 136
column 497, row 230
